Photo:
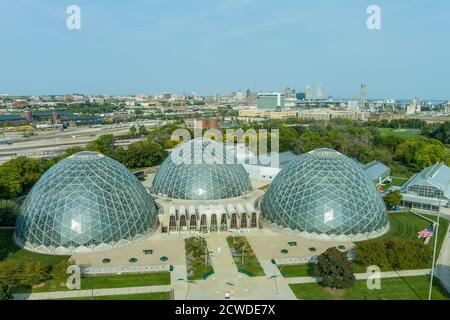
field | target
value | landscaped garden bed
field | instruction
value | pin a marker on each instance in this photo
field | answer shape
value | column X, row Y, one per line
column 244, row 257
column 197, row 258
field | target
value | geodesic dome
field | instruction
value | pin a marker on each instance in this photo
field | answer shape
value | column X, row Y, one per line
column 87, row 202
column 201, row 169
column 325, row 194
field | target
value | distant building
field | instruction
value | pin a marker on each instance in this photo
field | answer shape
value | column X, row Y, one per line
column 414, row 107
column 429, row 189
column 270, row 101
column 300, row 96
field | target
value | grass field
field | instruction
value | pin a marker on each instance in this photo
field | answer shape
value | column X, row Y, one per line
column 107, row 282
column 402, row 133
column 9, row 251
column 138, row 296
column 407, row 288
column 251, row 266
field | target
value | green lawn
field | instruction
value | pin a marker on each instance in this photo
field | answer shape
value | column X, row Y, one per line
column 244, row 257
column 9, row 251
column 406, row 225
column 137, row 296
column 402, row 133
column 196, row 257
column 407, row 288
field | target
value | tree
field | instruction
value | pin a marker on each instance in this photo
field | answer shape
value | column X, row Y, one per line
column 8, row 212
column 133, row 130
column 142, row 131
column 393, row 199
column 335, row 269
column 104, row 144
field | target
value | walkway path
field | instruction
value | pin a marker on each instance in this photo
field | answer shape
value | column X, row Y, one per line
column 90, row 293
column 442, row 270
column 364, row 276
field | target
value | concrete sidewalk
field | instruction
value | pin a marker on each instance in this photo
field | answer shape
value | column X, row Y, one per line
column 90, row 293
column 364, row 276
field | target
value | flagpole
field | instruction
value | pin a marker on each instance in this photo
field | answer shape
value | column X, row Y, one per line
column 436, row 234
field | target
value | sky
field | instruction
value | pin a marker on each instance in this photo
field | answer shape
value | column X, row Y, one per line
column 209, row 46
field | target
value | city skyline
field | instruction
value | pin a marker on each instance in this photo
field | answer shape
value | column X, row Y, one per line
column 222, row 46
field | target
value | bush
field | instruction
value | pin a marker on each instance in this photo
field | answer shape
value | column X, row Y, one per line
column 335, row 269
column 392, row 199
column 59, row 271
column 394, row 253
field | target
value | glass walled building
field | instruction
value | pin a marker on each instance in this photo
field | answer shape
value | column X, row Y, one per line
column 429, row 189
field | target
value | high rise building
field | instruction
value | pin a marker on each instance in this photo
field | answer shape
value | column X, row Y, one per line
column 362, row 97
column 308, row 93
column 320, row 94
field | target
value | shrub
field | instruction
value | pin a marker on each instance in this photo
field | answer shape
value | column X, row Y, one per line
column 10, row 273
column 34, row 272
column 5, row 292
column 394, row 253
column 335, row 269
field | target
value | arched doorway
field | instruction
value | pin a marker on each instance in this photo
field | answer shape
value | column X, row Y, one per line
column 193, row 222
column 253, row 223
column 234, row 224
column 203, row 223
column 172, row 224
column 244, row 221
column 224, row 222
column 183, row 223
column 213, row 226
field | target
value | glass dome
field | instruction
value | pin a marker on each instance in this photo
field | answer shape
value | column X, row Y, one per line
column 87, row 202
column 201, row 169
column 325, row 193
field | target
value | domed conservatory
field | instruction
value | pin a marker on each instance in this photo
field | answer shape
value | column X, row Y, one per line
column 202, row 188
column 85, row 203
column 325, row 195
